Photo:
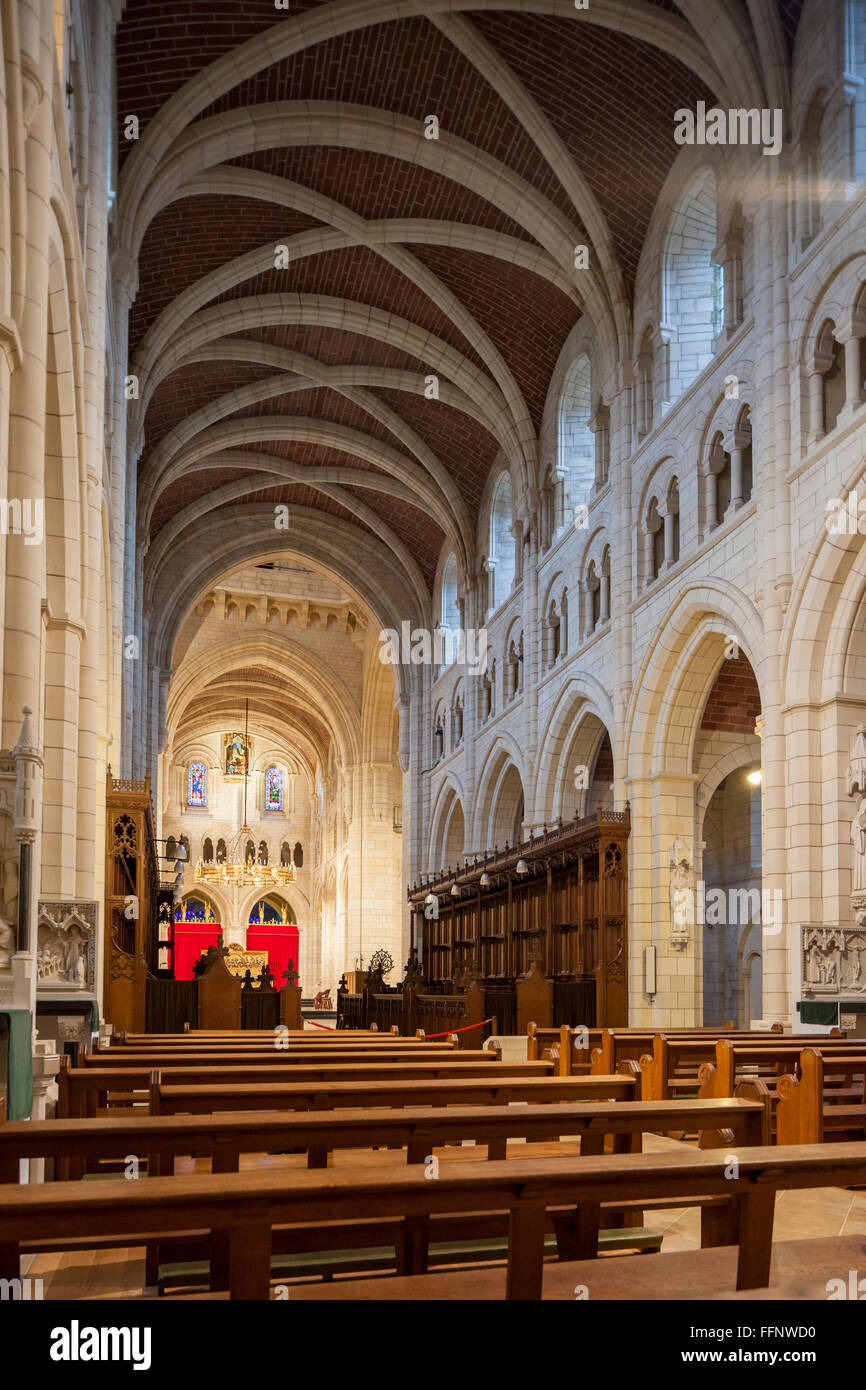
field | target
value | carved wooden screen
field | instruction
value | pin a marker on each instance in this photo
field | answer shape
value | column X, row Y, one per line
column 569, row 913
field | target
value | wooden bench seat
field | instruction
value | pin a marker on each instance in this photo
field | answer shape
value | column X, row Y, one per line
column 224, row 1138
column 496, row 1087
column 244, row 1207
column 161, row 1138
column 291, row 1057
column 87, row 1090
column 800, row 1270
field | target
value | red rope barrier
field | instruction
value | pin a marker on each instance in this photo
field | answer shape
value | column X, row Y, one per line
column 446, row 1034
column 449, row 1031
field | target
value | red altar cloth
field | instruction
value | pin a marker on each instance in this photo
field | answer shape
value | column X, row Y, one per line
column 280, row 942
column 191, row 939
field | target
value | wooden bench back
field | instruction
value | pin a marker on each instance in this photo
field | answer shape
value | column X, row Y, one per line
column 248, row 1205
column 720, row 1077
column 223, row 1138
column 496, row 1088
column 86, row 1090
column 286, row 1057
column 802, row 1114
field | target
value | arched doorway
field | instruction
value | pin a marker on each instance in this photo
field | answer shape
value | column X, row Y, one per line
column 732, row 900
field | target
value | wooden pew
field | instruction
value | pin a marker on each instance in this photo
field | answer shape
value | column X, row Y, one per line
column 606, row 1046
column 674, row 1068
column 495, row 1088
column 774, row 1056
column 196, row 1034
column 245, row 1207
column 223, row 1138
column 803, row 1114
column 87, row 1090
column 288, row 1057
column 288, row 1043
column 160, row 1140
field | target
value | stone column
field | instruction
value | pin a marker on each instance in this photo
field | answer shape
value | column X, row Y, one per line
column 604, row 614
column 667, row 517
column 714, row 466
column 816, row 399
column 22, row 673
column 736, row 442
column 850, row 332
column 600, row 427
column 46, row 1065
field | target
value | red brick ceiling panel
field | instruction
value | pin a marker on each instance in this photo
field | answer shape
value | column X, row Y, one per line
column 734, row 703
column 334, row 347
column 414, row 527
column 363, row 277
column 314, row 455
column 611, row 100
column 188, row 489
column 377, row 186
column 406, row 66
column 190, row 388
column 194, row 236
column 328, row 406
column 460, row 442
column 163, row 43
column 526, row 317
column 296, row 494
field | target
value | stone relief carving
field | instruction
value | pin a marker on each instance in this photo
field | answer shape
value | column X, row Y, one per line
column 833, row 960
column 66, row 946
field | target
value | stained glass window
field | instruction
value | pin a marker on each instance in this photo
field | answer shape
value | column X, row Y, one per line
column 273, row 789
column 196, row 785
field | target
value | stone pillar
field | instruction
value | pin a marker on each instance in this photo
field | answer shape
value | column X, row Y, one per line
column 714, row 466
column 648, row 555
column 25, row 479
column 850, row 332
column 600, row 427
column 591, row 584
column 816, row 400
column 46, row 1065
column 667, row 517
column 604, row 614
column 729, row 255
column 736, row 442
column 27, row 825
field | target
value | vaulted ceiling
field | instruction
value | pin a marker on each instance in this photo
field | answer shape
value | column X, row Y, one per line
column 408, row 258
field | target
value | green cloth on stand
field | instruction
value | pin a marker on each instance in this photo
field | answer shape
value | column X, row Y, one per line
column 19, row 1093
column 819, row 1012
column 94, row 1017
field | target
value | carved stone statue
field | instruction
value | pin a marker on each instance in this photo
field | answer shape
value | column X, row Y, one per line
column 858, row 840
column 681, row 894
column 7, row 944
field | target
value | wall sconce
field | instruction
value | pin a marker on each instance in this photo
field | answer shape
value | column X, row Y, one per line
column 455, row 891
column 484, row 880
column 754, row 778
column 521, row 867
